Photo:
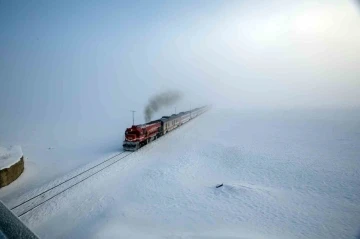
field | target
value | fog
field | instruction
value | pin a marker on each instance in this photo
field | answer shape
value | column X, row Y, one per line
column 70, row 63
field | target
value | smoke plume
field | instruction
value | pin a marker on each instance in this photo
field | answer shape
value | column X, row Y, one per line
column 160, row 101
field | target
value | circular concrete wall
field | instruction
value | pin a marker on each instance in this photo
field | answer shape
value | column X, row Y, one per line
column 8, row 175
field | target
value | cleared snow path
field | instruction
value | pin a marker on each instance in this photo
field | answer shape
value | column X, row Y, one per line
column 283, row 178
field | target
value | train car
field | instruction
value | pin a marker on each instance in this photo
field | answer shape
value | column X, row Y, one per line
column 169, row 123
column 185, row 117
column 140, row 135
column 198, row 111
column 194, row 113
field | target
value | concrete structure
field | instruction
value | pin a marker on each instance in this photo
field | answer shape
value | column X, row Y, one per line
column 12, row 227
column 8, row 175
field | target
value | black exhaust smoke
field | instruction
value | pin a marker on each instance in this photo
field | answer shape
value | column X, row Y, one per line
column 160, row 101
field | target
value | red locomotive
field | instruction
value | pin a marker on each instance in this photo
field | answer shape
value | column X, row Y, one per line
column 140, row 135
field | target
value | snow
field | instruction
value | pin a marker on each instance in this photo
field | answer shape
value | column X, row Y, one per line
column 290, row 175
column 9, row 156
column 54, row 150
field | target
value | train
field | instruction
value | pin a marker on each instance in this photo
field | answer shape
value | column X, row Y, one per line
column 138, row 136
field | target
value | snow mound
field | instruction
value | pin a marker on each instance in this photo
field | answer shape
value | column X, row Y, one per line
column 9, row 156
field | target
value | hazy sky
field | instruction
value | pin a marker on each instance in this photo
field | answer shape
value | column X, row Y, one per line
column 84, row 59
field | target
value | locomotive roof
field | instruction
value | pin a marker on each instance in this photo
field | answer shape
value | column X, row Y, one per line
column 150, row 123
column 147, row 124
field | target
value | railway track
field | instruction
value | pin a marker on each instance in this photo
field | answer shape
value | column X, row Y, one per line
column 32, row 203
column 41, row 198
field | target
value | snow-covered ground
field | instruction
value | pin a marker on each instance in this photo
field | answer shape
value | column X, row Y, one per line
column 9, row 156
column 289, row 175
column 52, row 150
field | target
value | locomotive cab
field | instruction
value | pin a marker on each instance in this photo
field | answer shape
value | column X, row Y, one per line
column 132, row 136
column 140, row 135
